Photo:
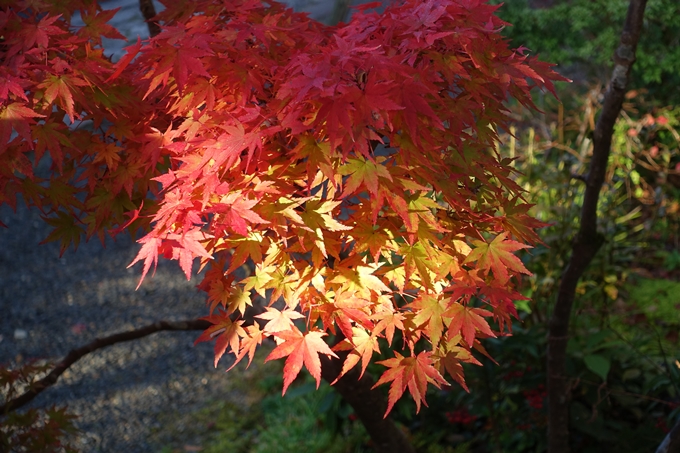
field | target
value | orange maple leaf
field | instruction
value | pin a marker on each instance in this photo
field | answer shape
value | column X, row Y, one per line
column 249, row 344
column 300, row 349
column 429, row 310
column 412, row 372
column 230, row 332
column 362, row 347
column 466, row 320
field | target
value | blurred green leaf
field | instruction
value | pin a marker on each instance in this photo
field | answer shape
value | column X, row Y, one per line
column 598, row 364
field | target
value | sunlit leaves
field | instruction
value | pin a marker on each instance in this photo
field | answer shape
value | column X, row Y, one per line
column 352, row 172
column 466, row 321
column 300, row 349
column 361, row 347
column 279, row 321
column 228, row 334
column 414, row 373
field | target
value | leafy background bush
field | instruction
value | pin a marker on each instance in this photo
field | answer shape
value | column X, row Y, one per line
column 581, row 34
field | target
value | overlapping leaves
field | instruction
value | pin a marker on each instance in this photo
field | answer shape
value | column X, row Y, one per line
column 352, row 167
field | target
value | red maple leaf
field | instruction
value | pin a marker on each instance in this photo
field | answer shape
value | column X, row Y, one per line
column 19, row 116
column 96, row 25
column 234, row 210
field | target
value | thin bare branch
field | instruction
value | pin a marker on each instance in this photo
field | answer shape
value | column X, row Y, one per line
column 76, row 354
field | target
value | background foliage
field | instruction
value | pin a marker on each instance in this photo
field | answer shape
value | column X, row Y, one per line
column 581, row 36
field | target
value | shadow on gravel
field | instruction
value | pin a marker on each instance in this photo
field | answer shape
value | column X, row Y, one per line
column 50, row 305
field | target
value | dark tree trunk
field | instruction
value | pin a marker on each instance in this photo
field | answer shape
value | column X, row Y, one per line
column 369, row 404
column 340, row 11
column 149, row 11
column 588, row 241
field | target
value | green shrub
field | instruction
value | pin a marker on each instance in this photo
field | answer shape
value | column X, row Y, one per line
column 582, row 34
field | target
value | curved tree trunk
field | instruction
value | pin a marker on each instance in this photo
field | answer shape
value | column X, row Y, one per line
column 588, row 241
column 149, row 12
column 369, row 404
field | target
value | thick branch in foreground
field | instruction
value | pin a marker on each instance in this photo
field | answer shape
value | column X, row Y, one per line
column 671, row 443
column 368, row 403
column 76, row 354
column 588, row 241
column 149, row 12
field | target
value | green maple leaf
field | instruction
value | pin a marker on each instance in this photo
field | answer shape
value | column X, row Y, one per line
column 66, row 231
column 238, row 300
column 364, row 172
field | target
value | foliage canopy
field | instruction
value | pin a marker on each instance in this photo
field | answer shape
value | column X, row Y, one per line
column 354, row 166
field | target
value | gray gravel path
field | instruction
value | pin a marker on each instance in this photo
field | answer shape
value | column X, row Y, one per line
column 122, row 394
column 132, row 397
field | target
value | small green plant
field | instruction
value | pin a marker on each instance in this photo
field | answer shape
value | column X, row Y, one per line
column 299, row 423
column 258, row 420
column 671, row 259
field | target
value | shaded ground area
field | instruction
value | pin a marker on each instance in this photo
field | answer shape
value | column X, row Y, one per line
column 50, row 305
column 129, row 397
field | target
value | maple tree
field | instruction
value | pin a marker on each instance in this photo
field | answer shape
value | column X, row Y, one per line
column 353, row 167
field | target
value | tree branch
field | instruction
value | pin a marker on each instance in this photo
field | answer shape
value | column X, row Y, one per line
column 368, row 403
column 76, row 354
column 588, row 241
column 149, row 12
column 340, row 11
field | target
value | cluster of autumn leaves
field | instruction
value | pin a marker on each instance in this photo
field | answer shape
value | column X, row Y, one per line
column 353, row 166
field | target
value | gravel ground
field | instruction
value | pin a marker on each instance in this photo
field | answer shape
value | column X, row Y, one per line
column 122, row 394
column 131, row 397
